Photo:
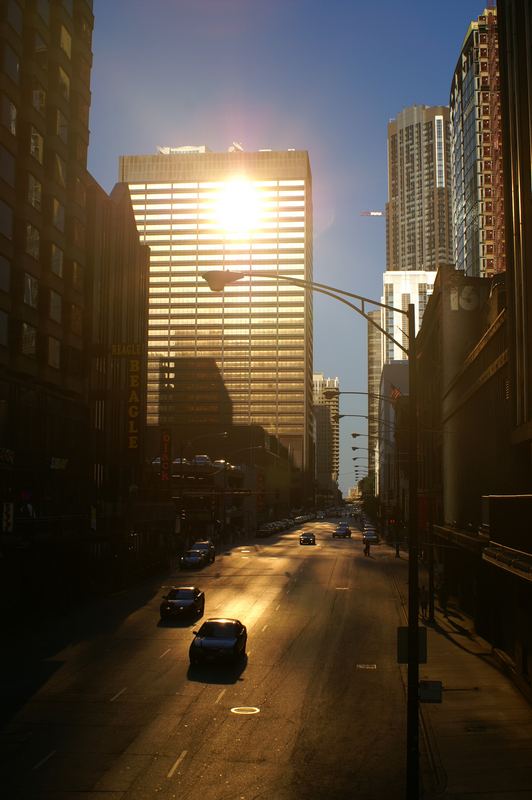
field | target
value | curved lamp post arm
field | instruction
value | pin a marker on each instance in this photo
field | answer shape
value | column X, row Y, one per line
column 219, row 279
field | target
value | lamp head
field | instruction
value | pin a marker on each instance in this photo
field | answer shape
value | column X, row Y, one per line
column 218, row 279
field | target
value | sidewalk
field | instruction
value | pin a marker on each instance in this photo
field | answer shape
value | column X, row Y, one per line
column 476, row 744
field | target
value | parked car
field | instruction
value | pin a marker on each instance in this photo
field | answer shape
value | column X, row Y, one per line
column 307, row 538
column 207, row 547
column 182, row 601
column 371, row 536
column 218, row 639
column 194, row 559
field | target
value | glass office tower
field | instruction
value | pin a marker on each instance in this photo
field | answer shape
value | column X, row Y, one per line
column 199, row 211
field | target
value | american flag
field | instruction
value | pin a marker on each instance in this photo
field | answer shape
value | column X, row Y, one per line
column 395, row 393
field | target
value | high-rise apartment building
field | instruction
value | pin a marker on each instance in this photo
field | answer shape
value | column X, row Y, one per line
column 418, row 211
column 199, row 211
column 476, row 152
column 44, row 115
column 326, row 410
column 374, row 380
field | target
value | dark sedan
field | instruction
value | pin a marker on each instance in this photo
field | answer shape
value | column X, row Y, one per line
column 343, row 531
column 307, row 538
column 182, row 601
column 194, row 559
column 219, row 640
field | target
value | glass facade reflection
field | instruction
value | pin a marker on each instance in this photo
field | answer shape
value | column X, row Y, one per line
column 258, row 333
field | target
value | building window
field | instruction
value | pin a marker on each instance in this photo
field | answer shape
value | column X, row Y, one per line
column 61, row 126
column 63, row 83
column 5, row 274
column 54, row 352
column 78, row 234
column 6, row 220
column 7, row 166
column 9, row 115
column 34, row 192
column 60, row 173
column 58, row 215
column 33, row 241
column 29, row 340
column 65, row 41
column 31, row 290
column 79, row 193
column 56, row 260
column 76, row 319
column 55, row 306
column 11, row 64
column 36, row 145
column 14, row 16
column 43, row 10
column 38, row 97
column 3, row 328
column 77, row 276
column 85, row 31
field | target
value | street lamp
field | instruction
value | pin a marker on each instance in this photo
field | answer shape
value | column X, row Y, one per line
column 218, row 280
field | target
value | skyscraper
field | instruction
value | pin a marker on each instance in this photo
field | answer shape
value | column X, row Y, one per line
column 476, row 152
column 418, row 211
column 200, row 211
column 326, row 411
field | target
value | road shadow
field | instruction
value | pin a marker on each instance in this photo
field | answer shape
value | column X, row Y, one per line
column 223, row 674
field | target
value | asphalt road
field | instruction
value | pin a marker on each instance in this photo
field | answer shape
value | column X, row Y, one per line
column 102, row 703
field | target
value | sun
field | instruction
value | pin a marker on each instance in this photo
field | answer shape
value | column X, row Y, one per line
column 238, row 207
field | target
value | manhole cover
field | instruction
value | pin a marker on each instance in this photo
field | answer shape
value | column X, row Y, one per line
column 245, row 710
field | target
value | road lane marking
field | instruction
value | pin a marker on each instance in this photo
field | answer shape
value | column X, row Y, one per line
column 220, row 696
column 278, row 607
column 44, row 760
column 342, row 588
column 177, row 763
column 117, row 695
column 366, row 666
column 264, row 628
column 165, row 653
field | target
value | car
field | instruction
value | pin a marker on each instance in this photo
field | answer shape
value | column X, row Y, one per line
column 221, row 639
column 207, row 547
column 320, row 515
column 193, row 559
column 182, row 601
column 342, row 531
column 307, row 538
column 202, row 461
column 371, row 536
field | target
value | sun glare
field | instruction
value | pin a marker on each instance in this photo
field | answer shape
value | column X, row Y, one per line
column 238, row 207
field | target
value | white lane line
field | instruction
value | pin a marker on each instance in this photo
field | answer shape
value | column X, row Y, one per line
column 220, row 696
column 264, row 628
column 118, row 694
column 165, row 653
column 177, row 763
column 44, row 760
column 278, row 607
column 342, row 588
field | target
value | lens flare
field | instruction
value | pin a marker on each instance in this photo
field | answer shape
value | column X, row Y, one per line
column 238, row 208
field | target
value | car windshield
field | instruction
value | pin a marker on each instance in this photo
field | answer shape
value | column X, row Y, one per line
column 193, row 553
column 181, row 594
column 219, row 630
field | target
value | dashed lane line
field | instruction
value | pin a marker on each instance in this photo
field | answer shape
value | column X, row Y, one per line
column 44, row 760
column 165, row 653
column 220, row 696
column 117, row 695
column 177, row 763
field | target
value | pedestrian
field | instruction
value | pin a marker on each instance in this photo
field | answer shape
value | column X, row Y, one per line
column 423, row 601
column 444, row 596
column 366, row 548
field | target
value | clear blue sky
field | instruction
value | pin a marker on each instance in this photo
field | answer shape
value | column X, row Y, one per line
column 317, row 75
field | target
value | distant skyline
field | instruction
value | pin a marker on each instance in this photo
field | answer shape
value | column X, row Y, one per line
column 324, row 76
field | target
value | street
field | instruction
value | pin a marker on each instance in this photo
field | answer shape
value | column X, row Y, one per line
column 102, row 702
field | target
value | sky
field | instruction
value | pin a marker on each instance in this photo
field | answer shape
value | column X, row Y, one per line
column 324, row 76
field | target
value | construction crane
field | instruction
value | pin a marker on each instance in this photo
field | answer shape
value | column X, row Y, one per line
column 372, row 213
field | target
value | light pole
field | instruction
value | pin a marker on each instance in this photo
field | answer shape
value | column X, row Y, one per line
column 218, row 280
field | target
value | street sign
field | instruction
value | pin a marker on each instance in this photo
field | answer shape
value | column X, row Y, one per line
column 430, row 691
column 402, row 645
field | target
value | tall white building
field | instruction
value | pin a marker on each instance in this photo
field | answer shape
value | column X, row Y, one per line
column 326, row 411
column 200, row 211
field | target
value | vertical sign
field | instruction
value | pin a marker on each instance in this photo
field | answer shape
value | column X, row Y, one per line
column 133, row 403
column 166, row 456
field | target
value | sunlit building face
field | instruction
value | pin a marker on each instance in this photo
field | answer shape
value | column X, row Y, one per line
column 234, row 211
